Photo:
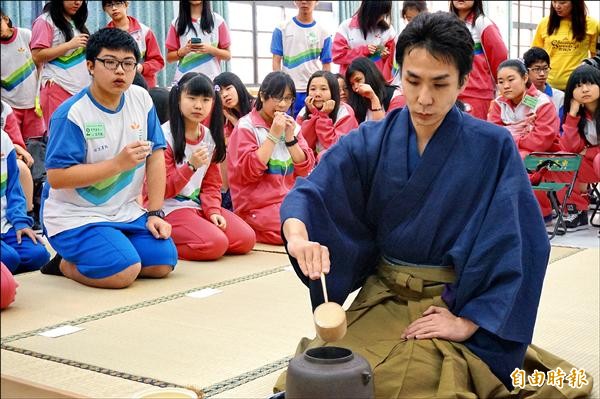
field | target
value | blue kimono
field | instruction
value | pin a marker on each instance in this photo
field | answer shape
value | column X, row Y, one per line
column 467, row 204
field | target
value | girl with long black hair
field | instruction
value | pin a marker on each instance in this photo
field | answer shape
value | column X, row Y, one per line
column 569, row 36
column 202, row 230
column 367, row 34
column 58, row 40
column 198, row 40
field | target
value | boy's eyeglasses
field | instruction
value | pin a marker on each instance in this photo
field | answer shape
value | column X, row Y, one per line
column 112, row 64
column 116, row 4
column 540, row 70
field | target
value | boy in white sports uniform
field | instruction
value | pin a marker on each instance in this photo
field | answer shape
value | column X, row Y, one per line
column 107, row 139
column 303, row 46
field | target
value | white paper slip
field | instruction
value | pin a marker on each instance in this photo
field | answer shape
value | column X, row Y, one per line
column 60, row 331
column 206, row 292
column 289, row 268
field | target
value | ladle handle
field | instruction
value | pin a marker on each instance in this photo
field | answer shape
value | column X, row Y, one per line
column 324, row 287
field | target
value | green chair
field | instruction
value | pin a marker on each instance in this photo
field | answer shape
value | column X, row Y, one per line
column 563, row 168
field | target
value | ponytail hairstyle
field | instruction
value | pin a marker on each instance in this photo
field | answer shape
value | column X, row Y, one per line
column 334, row 89
column 245, row 99
column 184, row 20
column 195, row 84
column 476, row 10
column 582, row 74
column 578, row 20
column 518, row 66
column 373, row 78
column 56, row 10
column 369, row 14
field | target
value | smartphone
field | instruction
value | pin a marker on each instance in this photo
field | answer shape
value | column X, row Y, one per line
column 196, row 40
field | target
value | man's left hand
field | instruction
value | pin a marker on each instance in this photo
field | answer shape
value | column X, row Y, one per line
column 439, row 322
column 158, row 227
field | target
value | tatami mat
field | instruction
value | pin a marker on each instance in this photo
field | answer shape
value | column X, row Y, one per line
column 83, row 382
column 568, row 317
column 46, row 300
column 234, row 343
column 194, row 341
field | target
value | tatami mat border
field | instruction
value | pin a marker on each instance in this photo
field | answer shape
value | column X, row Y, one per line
column 139, row 305
column 209, row 391
column 246, row 377
column 90, row 367
column 576, row 251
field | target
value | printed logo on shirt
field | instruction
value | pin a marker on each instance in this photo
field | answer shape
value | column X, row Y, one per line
column 313, row 40
column 21, row 49
column 94, row 130
column 137, row 130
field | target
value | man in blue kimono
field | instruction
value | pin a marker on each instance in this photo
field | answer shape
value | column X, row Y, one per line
column 431, row 212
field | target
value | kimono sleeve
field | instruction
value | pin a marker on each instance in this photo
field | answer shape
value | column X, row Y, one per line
column 332, row 202
column 501, row 256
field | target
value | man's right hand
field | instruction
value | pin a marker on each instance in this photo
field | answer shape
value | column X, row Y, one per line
column 312, row 257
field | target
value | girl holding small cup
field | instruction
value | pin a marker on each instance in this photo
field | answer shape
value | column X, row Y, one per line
column 202, row 230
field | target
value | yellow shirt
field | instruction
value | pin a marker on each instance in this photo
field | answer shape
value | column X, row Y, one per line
column 565, row 52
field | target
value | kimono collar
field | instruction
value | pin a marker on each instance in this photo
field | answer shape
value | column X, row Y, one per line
column 354, row 22
column 412, row 189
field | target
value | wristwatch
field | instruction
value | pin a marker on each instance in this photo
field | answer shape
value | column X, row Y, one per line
column 158, row 213
column 292, row 142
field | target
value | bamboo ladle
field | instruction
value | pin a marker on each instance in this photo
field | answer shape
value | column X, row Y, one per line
column 330, row 318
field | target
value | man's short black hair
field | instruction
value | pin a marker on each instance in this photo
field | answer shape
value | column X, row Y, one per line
column 534, row 55
column 444, row 36
column 112, row 39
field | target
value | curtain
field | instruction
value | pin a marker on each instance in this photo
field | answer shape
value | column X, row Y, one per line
column 347, row 8
column 22, row 13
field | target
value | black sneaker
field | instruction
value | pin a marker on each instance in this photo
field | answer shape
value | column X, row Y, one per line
column 576, row 219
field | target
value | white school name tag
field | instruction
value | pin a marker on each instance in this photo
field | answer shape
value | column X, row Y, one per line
column 60, row 331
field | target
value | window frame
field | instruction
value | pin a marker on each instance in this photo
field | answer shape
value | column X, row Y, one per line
column 321, row 6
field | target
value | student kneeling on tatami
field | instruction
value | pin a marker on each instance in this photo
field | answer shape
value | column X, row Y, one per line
column 103, row 142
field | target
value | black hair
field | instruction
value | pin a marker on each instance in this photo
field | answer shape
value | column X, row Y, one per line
column 515, row 64
column 112, row 39
column 476, row 10
column 56, row 10
column 274, row 85
column 334, row 89
column 441, row 34
column 582, row 74
column 184, row 20
column 3, row 14
column 373, row 78
column 245, row 99
column 593, row 61
column 578, row 20
column 160, row 99
column 419, row 5
column 369, row 14
column 139, row 80
column 195, row 84
column 518, row 66
column 534, row 55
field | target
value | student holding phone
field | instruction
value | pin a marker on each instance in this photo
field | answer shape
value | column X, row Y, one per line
column 198, row 40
